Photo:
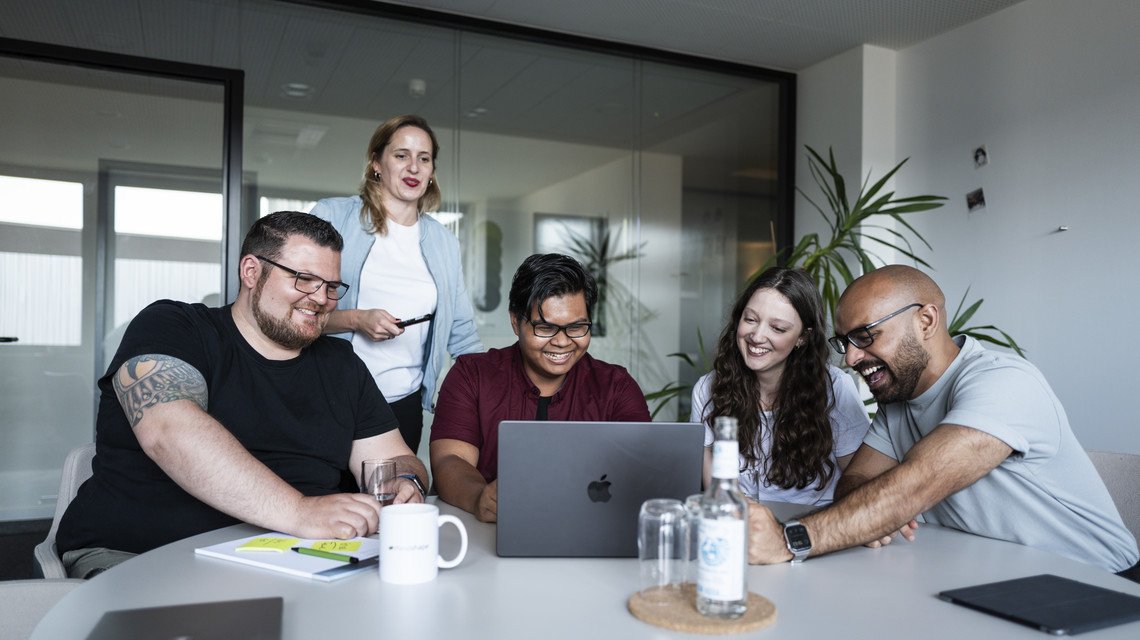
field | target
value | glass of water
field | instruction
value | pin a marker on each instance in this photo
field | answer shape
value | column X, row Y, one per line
column 378, row 478
column 662, row 549
column 693, row 507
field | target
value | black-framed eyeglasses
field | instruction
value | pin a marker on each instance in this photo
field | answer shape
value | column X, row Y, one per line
column 309, row 283
column 862, row 337
column 549, row 329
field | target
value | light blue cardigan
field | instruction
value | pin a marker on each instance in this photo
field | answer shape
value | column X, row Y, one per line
column 453, row 327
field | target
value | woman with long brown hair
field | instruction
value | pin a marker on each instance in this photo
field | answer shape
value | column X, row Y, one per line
column 800, row 419
column 401, row 264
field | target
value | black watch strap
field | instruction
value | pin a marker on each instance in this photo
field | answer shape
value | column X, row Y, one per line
column 415, row 481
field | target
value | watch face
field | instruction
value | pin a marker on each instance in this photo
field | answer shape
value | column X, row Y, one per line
column 797, row 537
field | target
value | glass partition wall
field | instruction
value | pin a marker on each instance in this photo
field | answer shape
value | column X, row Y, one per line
column 667, row 180
column 667, row 176
column 96, row 222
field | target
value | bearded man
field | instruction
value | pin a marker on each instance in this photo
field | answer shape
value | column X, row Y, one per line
column 966, row 437
column 211, row 416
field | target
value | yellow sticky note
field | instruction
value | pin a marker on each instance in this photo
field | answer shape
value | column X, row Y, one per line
column 336, row 546
column 276, row 545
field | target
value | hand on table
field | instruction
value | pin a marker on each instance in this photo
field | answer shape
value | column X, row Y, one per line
column 487, row 509
column 377, row 324
column 906, row 531
column 407, row 491
column 337, row 516
column 765, row 536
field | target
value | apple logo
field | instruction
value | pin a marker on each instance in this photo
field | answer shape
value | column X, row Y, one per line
column 599, row 490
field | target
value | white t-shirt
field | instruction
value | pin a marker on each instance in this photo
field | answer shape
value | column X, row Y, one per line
column 396, row 278
column 849, row 423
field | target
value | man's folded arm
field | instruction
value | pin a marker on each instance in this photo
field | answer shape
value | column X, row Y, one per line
column 458, row 481
column 390, row 446
column 949, row 459
column 866, row 464
column 165, row 398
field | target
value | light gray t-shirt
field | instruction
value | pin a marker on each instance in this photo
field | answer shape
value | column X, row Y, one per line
column 1046, row 494
column 849, row 423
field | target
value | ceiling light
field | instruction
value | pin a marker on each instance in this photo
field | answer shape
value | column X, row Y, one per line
column 296, row 90
column 417, row 87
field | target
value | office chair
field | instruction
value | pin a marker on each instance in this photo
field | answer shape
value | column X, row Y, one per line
column 23, row 603
column 1121, row 474
column 76, row 469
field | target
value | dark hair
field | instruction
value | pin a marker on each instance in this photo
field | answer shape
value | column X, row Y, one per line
column 373, row 212
column 548, row 275
column 802, row 441
column 270, row 233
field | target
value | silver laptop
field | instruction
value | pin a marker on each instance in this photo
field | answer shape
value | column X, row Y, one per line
column 575, row 488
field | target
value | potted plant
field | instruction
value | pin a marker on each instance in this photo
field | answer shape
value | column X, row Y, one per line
column 827, row 258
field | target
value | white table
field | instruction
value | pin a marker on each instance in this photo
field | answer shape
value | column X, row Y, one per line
column 864, row 593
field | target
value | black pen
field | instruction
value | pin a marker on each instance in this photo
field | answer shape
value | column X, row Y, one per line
column 328, row 555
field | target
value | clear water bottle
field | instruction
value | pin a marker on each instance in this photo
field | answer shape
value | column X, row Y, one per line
column 723, row 534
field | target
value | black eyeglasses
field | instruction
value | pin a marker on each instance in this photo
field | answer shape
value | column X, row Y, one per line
column 309, row 283
column 862, row 337
column 549, row 330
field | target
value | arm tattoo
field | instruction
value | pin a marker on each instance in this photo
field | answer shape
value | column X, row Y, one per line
column 147, row 380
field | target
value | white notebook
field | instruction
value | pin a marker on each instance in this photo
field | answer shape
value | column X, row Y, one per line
column 285, row 560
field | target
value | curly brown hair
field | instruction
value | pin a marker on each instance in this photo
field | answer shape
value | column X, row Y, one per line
column 802, row 439
column 373, row 214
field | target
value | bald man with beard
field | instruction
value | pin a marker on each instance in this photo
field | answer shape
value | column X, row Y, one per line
column 968, row 438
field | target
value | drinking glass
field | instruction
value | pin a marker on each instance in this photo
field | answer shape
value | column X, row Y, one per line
column 693, row 509
column 378, row 477
column 663, row 549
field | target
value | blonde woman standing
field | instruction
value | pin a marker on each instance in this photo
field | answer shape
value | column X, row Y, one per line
column 401, row 266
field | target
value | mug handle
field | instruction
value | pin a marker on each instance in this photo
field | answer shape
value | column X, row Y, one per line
column 447, row 564
column 463, row 542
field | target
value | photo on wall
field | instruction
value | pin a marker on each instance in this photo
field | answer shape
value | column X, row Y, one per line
column 976, row 200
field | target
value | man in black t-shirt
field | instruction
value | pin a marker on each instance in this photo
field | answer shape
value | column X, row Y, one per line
column 211, row 416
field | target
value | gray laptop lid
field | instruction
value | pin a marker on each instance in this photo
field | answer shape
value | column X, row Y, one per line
column 575, row 488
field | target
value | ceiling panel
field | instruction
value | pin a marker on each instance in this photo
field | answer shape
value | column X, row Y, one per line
column 108, row 25
column 777, row 34
column 179, row 30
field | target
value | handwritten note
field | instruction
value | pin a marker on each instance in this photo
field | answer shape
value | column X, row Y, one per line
column 274, row 545
column 336, row 546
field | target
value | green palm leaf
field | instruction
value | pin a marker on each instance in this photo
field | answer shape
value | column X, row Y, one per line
column 830, row 258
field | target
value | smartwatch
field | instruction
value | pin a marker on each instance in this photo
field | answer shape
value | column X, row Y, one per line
column 798, row 541
column 416, row 481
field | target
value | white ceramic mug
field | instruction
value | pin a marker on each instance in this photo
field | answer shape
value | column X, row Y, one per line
column 409, row 543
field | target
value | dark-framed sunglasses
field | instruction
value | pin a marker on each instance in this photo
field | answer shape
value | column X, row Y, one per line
column 862, row 337
column 309, row 283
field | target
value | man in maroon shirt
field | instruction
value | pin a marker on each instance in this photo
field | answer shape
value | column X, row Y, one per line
column 546, row 375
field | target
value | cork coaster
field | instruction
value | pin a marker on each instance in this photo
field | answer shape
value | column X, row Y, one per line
column 677, row 610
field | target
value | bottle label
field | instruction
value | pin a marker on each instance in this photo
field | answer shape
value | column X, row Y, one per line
column 720, row 559
column 726, row 459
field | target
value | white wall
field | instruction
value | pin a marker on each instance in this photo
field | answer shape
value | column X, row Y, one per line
column 847, row 104
column 1052, row 88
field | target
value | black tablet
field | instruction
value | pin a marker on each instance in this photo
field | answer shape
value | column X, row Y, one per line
column 1050, row 603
